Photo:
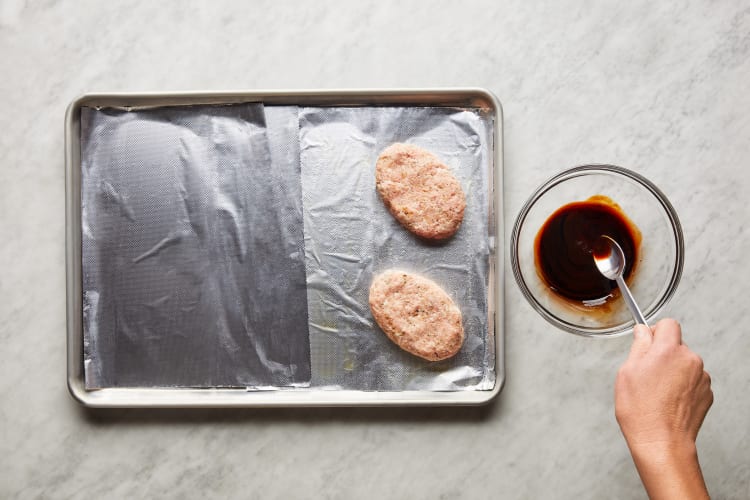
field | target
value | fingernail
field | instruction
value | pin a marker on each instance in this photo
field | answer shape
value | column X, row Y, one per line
column 640, row 330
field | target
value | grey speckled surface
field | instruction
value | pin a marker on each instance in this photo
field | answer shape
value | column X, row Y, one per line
column 658, row 87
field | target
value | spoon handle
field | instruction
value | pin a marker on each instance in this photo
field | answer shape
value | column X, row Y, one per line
column 630, row 301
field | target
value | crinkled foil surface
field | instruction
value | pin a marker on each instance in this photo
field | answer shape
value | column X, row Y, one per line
column 350, row 236
column 234, row 246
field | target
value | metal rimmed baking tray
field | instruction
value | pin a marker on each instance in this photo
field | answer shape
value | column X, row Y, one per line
column 474, row 99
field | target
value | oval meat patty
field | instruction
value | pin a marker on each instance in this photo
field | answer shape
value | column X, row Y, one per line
column 417, row 315
column 420, row 191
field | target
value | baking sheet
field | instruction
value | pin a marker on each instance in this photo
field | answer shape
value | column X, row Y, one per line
column 350, row 236
column 320, row 395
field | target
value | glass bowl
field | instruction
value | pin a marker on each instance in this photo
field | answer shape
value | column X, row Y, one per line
column 660, row 258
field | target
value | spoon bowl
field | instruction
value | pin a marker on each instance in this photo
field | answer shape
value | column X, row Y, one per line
column 609, row 257
column 610, row 261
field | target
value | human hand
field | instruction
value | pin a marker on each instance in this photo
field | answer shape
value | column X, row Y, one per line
column 662, row 395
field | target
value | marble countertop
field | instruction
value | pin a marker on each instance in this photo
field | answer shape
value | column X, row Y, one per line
column 660, row 87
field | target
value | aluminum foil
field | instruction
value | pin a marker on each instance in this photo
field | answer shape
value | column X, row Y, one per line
column 350, row 236
column 193, row 255
column 234, row 246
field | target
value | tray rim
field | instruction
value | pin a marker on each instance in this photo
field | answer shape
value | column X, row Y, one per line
column 303, row 397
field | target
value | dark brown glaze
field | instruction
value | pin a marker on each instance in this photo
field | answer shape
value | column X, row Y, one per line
column 564, row 246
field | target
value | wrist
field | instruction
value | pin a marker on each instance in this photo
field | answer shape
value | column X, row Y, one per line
column 670, row 469
column 664, row 453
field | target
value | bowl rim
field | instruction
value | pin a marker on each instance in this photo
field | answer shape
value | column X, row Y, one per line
column 578, row 171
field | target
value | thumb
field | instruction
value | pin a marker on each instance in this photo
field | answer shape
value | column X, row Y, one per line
column 643, row 337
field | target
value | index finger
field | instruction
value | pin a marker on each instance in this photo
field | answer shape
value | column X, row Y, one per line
column 667, row 332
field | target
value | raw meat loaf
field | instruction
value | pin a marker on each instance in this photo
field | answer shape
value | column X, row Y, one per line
column 420, row 191
column 417, row 315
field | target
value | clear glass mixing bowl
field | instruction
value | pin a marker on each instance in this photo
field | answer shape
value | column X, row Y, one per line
column 660, row 260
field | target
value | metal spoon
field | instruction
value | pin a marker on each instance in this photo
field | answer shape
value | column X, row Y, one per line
column 610, row 261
